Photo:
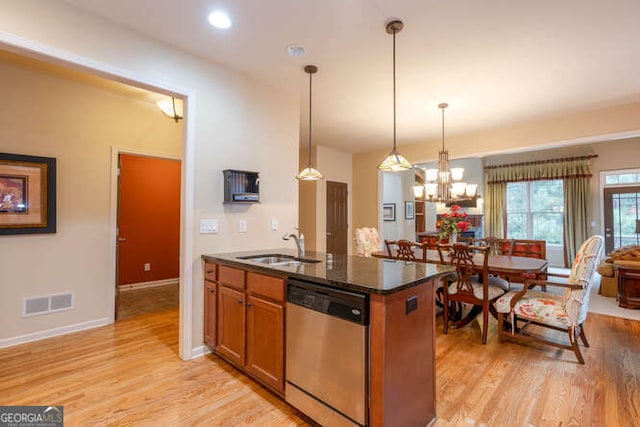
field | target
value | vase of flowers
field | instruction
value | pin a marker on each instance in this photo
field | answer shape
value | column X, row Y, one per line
column 452, row 223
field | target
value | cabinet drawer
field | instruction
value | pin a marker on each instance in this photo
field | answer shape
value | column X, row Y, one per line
column 230, row 276
column 210, row 270
column 267, row 286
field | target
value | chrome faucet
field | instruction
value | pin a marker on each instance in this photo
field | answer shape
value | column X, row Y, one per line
column 299, row 239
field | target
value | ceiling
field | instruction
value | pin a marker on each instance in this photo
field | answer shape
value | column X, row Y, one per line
column 496, row 62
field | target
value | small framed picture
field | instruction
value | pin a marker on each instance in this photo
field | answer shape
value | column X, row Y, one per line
column 408, row 210
column 389, row 212
column 27, row 194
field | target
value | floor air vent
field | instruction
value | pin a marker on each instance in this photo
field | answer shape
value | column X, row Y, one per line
column 47, row 304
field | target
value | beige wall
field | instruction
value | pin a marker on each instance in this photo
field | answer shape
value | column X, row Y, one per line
column 77, row 124
column 307, row 203
column 237, row 124
column 586, row 127
column 336, row 166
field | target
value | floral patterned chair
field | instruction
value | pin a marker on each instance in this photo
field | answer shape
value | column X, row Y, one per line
column 562, row 312
column 367, row 241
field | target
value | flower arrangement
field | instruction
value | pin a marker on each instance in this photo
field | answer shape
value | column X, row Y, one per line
column 453, row 222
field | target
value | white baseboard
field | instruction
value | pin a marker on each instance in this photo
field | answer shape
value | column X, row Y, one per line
column 199, row 351
column 153, row 284
column 49, row 333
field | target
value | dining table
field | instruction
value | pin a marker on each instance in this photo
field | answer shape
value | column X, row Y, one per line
column 498, row 265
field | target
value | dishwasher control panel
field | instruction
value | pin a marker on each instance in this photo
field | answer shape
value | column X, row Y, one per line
column 346, row 305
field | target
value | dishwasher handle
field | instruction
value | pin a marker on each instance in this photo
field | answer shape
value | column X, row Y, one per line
column 349, row 306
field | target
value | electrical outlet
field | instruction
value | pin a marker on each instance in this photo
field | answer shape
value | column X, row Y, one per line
column 274, row 224
column 242, row 225
column 208, row 226
column 147, row 266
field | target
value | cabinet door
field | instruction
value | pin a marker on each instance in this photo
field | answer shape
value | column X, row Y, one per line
column 231, row 324
column 210, row 313
column 265, row 341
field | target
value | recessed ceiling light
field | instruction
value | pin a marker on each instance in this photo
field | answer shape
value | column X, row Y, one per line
column 296, row 50
column 219, row 20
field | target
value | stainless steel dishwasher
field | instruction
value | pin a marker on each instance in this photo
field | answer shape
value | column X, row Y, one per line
column 326, row 370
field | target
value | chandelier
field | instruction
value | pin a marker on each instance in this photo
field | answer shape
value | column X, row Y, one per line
column 445, row 185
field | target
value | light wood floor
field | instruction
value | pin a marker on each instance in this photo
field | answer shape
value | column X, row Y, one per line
column 129, row 374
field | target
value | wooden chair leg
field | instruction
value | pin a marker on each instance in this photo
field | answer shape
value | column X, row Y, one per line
column 573, row 338
column 583, row 337
column 500, row 326
column 445, row 314
column 485, row 321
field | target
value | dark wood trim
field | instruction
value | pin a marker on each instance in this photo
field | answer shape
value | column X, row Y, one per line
column 542, row 162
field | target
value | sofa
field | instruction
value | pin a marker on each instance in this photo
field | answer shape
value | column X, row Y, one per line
column 609, row 280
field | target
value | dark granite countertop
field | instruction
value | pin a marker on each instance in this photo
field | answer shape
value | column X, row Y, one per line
column 369, row 275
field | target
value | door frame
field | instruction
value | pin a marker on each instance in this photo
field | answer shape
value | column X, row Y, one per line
column 602, row 177
column 115, row 163
column 65, row 58
column 613, row 190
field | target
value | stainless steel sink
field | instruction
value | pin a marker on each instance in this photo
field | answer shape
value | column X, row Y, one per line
column 278, row 259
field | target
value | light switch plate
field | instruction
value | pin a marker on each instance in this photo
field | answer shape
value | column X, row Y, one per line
column 242, row 225
column 208, row 226
column 274, row 224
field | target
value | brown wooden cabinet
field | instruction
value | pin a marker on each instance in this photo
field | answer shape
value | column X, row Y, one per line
column 628, row 284
column 231, row 324
column 210, row 305
column 265, row 341
column 249, row 312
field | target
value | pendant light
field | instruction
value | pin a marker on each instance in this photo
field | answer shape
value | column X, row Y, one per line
column 309, row 173
column 394, row 162
column 172, row 108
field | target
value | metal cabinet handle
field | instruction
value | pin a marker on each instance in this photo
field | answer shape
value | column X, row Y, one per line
column 249, row 304
column 212, row 290
column 209, row 271
column 239, row 301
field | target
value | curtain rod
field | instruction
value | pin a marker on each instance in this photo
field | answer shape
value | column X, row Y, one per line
column 540, row 162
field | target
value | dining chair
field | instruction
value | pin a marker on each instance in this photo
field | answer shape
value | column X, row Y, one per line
column 367, row 241
column 404, row 249
column 469, row 287
column 497, row 246
column 561, row 312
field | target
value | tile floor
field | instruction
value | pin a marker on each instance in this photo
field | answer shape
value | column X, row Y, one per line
column 132, row 303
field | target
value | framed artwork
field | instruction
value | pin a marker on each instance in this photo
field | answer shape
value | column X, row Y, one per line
column 27, row 194
column 389, row 212
column 408, row 210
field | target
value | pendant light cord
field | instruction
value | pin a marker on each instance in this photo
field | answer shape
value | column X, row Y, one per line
column 443, row 129
column 310, row 74
column 395, row 133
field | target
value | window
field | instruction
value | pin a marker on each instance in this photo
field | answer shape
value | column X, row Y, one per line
column 535, row 210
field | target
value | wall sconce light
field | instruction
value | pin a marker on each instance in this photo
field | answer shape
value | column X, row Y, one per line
column 171, row 107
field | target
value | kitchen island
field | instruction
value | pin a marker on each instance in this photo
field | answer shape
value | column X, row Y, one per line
column 246, row 322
